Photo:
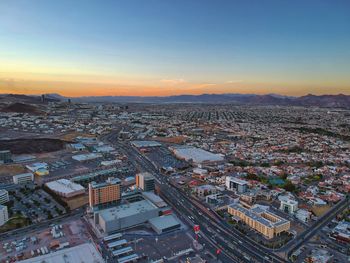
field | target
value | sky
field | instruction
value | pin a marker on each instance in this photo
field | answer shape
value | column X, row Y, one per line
column 164, row 47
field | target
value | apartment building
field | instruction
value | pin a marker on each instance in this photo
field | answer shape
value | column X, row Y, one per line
column 104, row 193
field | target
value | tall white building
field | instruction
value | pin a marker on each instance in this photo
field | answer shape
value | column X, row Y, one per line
column 236, row 184
column 289, row 206
column 4, row 216
column 4, row 196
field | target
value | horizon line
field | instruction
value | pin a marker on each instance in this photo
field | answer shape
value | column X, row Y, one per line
column 184, row 94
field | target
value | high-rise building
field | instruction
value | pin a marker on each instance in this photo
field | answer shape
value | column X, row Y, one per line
column 4, row 217
column 4, row 196
column 145, row 181
column 104, row 193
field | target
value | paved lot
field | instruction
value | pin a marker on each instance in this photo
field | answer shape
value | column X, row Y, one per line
column 37, row 205
column 73, row 232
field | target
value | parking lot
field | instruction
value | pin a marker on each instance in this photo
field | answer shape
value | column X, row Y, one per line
column 162, row 157
column 43, row 242
column 34, row 203
column 149, row 247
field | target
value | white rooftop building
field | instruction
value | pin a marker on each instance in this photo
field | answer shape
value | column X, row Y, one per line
column 288, row 205
column 125, row 216
column 197, row 155
column 86, row 157
column 86, row 253
column 236, row 184
column 65, row 188
column 33, row 167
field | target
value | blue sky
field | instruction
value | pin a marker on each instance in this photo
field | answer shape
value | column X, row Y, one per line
column 287, row 44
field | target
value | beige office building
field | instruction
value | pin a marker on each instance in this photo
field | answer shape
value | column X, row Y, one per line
column 262, row 220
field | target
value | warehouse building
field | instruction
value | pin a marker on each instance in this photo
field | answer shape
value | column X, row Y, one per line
column 125, row 216
column 164, row 224
column 86, row 157
column 155, row 199
column 196, row 155
column 65, row 188
column 143, row 144
column 86, row 253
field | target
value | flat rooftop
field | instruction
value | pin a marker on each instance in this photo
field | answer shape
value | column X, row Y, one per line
column 111, row 181
column 86, row 157
column 86, row 253
column 237, row 180
column 163, row 222
column 197, row 155
column 140, row 144
column 256, row 214
column 92, row 175
column 127, row 210
column 64, row 186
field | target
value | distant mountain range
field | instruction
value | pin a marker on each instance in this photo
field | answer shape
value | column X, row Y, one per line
column 339, row 101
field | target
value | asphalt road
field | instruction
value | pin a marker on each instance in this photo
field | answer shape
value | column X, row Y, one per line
column 304, row 237
column 235, row 247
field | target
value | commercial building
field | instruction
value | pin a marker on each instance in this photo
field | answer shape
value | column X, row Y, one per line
column 204, row 190
column 5, row 156
column 288, row 205
column 342, row 232
column 260, row 219
column 65, row 188
column 125, row 216
column 196, row 155
column 236, row 184
column 142, row 144
column 4, row 196
column 164, row 224
column 145, row 181
column 86, row 253
column 78, row 146
column 303, row 215
column 23, row 178
column 104, row 193
column 41, row 172
column 37, row 166
column 4, row 216
column 86, row 157
column 155, row 199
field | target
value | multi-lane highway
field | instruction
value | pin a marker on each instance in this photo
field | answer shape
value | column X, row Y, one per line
column 214, row 233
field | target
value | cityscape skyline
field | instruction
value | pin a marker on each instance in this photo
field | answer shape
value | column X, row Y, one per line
column 151, row 50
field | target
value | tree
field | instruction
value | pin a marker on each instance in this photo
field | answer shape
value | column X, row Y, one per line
column 288, row 186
